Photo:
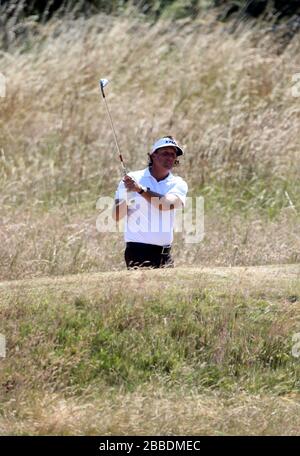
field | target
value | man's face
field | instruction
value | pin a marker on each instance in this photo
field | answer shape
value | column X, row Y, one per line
column 165, row 157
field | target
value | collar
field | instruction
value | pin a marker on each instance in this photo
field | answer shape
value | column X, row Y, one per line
column 148, row 174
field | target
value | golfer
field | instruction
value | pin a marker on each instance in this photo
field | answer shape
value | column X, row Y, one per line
column 149, row 221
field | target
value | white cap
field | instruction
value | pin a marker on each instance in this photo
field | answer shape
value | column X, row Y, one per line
column 167, row 142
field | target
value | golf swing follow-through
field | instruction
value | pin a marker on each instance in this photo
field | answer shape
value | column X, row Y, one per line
column 149, row 223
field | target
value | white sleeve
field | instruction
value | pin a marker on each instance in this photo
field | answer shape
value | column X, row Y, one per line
column 180, row 189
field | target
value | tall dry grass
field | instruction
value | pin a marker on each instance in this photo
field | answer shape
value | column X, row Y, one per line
column 225, row 96
column 152, row 411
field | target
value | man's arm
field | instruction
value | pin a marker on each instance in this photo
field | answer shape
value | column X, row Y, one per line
column 161, row 202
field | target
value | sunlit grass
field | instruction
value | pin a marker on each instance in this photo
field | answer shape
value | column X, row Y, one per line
column 226, row 98
column 104, row 344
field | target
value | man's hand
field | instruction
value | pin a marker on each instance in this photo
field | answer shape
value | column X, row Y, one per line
column 166, row 202
column 130, row 184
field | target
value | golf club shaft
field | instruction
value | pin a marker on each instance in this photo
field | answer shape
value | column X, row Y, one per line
column 115, row 136
column 130, row 195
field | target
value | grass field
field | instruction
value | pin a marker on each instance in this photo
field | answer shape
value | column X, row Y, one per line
column 196, row 351
column 205, row 348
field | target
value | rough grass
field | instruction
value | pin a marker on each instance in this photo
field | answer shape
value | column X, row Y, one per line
column 225, row 96
column 208, row 352
column 199, row 351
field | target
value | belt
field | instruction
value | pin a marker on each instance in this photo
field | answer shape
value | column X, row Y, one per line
column 162, row 249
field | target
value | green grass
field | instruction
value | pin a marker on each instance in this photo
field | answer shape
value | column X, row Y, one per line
column 265, row 196
column 223, row 340
column 220, row 338
column 169, row 352
column 108, row 336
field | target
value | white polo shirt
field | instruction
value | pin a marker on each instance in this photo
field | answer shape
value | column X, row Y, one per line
column 144, row 222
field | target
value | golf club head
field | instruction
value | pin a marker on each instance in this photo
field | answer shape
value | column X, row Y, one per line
column 103, row 83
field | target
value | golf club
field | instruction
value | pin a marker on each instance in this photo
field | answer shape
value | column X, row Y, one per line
column 130, row 195
column 103, row 83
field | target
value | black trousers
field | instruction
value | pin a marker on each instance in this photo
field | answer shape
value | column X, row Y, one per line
column 139, row 255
